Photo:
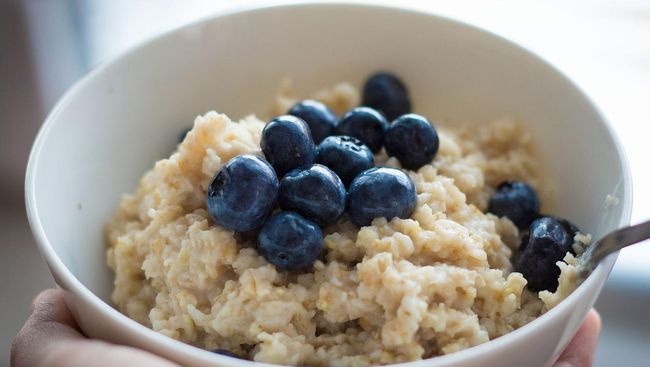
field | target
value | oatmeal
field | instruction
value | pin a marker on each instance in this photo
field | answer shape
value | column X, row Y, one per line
column 394, row 291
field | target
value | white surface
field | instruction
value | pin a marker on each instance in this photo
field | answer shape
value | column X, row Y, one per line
column 115, row 106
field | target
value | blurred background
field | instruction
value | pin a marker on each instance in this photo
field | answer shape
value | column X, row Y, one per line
column 47, row 45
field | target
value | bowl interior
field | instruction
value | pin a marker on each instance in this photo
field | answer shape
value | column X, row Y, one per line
column 123, row 117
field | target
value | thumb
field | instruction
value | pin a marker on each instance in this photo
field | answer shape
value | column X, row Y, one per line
column 51, row 338
column 581, row 350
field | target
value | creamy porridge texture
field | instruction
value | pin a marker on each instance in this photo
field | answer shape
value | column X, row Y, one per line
column 394, row 291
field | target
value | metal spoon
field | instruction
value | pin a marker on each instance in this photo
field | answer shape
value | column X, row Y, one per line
column 610, row 243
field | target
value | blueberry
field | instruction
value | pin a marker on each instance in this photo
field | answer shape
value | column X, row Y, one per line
column 570, row 227
column 290, row 242
column 287, row 144
column 381, row 192
column 346, row 156
column 243, row 193
column 183, row 134
column 365, row 124
column 412, row 140
column 385, row 92
column 547, row 242
column 315, row 192
column 226, row 353
column 321, row 120
column 515, row 200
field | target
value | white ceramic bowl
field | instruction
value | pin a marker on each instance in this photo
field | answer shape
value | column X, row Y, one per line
column 110, row 128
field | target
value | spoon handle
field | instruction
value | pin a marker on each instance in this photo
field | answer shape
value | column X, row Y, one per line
column 612, row 242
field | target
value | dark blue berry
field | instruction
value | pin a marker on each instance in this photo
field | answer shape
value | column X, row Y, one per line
column 381, row 192
column 287, row 144
column 346, row 156
column 321, row 120
column 226, row 353
column 314, row 192
column 183, row 134
column 365, row 124
column 515, row 200
column 547, row 242
column 290, row 242
column 385, row 92
column 412, row 140
column 243, row 193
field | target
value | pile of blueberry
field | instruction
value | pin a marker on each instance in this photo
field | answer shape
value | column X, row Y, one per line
column 316, row 167
column 546, row 238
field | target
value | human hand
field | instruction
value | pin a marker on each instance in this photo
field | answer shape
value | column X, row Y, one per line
column 582, row 348
column 51, row 338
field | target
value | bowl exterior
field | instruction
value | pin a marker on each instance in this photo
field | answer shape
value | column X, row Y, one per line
column 540, row 347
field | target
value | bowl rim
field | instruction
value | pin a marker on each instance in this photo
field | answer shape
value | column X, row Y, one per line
column 65, row 279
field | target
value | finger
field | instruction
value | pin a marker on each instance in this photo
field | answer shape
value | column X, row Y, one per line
column 581, row 350
column 98, row 354
column 50, row 322
column 49, row 307
column 50, row 338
